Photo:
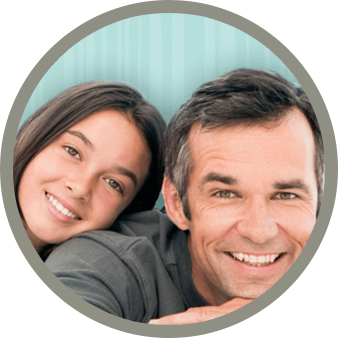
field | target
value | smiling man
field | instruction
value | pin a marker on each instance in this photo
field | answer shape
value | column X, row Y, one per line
column 243, row 187
column 244, row 180
column 250, row 204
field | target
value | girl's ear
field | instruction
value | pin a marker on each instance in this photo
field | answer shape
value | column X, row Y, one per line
column 173, row 205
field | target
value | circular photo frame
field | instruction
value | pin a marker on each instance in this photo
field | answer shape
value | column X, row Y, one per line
column 251, row 40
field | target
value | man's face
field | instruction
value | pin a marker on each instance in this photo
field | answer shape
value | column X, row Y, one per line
column 252, row 195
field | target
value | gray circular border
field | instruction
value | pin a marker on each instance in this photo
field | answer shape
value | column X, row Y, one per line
column 153, row 7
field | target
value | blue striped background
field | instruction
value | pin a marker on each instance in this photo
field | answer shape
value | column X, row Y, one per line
column 165, row 56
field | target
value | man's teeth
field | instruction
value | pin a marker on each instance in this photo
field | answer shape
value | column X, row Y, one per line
column 255, row 260
column 60, row 207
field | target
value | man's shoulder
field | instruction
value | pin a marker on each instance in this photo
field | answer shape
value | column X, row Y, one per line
column 142, row 223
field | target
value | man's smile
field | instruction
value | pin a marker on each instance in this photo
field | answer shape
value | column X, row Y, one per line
column 255, row 260
column 247, row 265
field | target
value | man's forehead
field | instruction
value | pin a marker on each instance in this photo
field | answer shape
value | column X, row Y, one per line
column 292, row 123
column 290, row 144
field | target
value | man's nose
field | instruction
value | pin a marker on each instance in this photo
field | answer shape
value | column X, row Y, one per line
column 258, row 224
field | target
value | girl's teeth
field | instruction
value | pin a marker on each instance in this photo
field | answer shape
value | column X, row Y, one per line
column 65, row 211
column 60, row 207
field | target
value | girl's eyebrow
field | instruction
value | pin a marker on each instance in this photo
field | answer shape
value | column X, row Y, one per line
column 127, row 173
column 82, row 137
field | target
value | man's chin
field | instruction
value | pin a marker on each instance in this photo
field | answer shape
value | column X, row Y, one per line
column 250, row 292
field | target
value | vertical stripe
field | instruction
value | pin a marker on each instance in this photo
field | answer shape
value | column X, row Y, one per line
column 81, row 61
column 103, row 56
column 119, row 51
column 166, row 66
column 193, row 52
column 139, row 51
column 145, row 56
column 68, row 70
column 177, row 64
column 210, row 44
column 126, row 49
column 156, row 83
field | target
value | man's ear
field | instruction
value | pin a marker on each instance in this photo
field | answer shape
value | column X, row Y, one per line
column 173, row 205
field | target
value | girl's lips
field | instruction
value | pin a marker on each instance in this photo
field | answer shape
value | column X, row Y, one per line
column 62, row 210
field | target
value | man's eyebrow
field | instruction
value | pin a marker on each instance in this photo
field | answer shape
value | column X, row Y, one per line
column 295, row 184
column 82, row 137
column 128, row 173
column 216, row 177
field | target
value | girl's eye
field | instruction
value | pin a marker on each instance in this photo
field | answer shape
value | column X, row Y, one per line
column 114, row 184
column 285, row 196
column 225, row 194
column 73, row 152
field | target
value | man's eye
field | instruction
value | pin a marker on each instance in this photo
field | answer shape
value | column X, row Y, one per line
column 285, row 196
column 114, row 184
column 225, row 194
column 73, row 152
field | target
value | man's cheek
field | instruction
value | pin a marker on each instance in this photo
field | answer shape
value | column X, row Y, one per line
column 303, row 233
column 298, row 227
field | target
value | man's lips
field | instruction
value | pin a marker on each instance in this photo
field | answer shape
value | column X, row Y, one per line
column 267, row 264
column 255, row 259
column 62, row 207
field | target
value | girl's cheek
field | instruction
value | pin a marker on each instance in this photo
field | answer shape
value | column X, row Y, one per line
column 106, row 204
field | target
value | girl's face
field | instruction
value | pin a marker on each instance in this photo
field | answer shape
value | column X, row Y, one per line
column 84, row 179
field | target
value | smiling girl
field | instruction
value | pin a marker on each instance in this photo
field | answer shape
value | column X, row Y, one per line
column 88, row 155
